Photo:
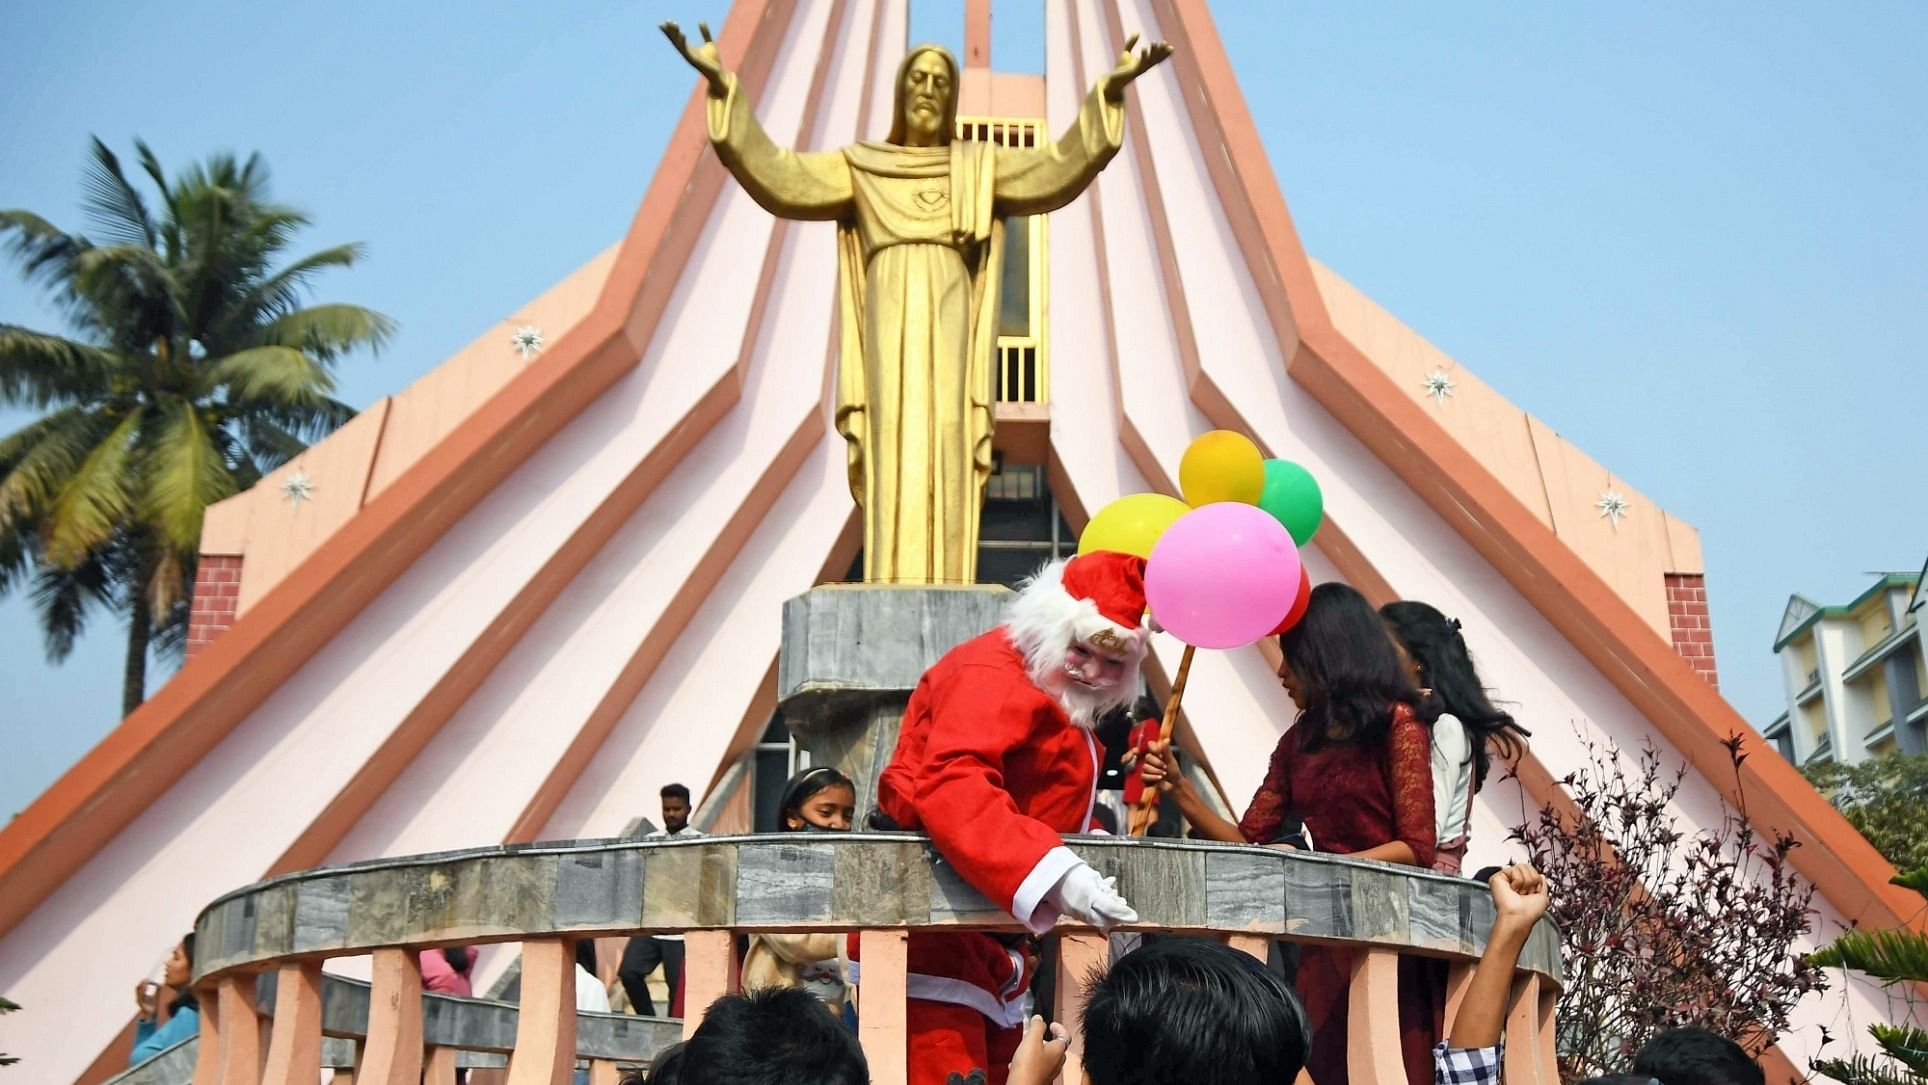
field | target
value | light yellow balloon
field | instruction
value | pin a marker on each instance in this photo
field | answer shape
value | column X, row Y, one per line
column 1222, row 466
column 1131, row 524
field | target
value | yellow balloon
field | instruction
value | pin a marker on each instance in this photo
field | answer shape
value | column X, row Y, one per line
column 1131, row 524
column 1222, row 466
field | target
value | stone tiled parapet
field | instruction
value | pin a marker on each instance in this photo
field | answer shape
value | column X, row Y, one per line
column 865, row 881
column 845, row 642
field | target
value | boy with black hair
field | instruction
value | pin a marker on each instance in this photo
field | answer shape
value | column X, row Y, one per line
column 1185, row 1010
column 1695, row 1056
column 774, row 1036
column 1192, row 1010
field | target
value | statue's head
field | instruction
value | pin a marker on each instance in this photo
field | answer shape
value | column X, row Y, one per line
column 926, row 97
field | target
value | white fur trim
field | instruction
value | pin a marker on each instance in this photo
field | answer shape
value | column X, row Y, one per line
column 956, row 992
column 1028, row 904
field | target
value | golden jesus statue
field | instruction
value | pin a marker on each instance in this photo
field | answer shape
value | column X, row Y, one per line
column 920, row 242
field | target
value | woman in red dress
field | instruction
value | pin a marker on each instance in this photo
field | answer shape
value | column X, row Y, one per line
column 1357, row 769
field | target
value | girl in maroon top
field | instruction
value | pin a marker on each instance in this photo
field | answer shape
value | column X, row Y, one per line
column 1356, row 767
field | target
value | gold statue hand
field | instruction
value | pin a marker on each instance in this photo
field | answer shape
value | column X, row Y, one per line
column 1131, row 65
column 704, row 58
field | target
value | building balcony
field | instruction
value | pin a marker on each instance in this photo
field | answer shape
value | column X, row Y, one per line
column 276, row 936
column 1881, row 650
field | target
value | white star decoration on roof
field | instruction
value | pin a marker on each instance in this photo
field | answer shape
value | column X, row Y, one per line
column 527, row 341
column 1613, row 506
column 297, row 488
column 1438, row 385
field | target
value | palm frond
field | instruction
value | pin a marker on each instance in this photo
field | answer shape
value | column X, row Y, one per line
column 268, row 445
column 40, row 370
column 326, row 331
column 282, row 291
column 96, row 500
column 133, row 293
column 37, row 460
column 17, row 550
column 1860, row 1070
column 1887, row 955
column 113, row 205
column 1916, row 879
column 64, row 596
column 46, row 253
column 1905, row 1044
column 184, row 474
column 282, row 376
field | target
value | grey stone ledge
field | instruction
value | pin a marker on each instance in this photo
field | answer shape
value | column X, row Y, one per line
column 825, row 882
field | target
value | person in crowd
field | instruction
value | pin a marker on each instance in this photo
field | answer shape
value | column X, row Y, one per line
column 1185, row 1010
column 775, row 1036
column 1357, row 766
column 1470, row 1055
column 643, row 954
column 1466, row 724
column 995, row 761
column 449, row 971
column 151, row 1035
column 591, row 995
column 821, row 800
column 1695, row 1056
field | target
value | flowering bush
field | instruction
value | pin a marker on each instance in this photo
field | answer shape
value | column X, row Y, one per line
column 1660, row 927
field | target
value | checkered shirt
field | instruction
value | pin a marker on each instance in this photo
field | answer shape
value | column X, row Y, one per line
column 1466, row 1065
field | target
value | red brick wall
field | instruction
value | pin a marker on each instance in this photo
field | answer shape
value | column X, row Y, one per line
column 1687, row 616
column 217, row 588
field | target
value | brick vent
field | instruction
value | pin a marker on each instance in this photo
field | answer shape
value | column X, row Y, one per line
column 217, row 589
column 1687, row 618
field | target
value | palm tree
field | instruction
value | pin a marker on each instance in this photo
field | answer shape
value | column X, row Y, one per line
column 1894, row 957
column 194, row 369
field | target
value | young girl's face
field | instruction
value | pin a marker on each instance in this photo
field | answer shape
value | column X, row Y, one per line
column 176, row 973
column 1293, row 687
column 833, row 808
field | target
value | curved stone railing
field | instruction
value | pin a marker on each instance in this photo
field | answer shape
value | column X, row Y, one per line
column 880, row 885
column 466, row 1033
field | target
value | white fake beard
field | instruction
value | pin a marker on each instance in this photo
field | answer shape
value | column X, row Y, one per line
column 1085, row 705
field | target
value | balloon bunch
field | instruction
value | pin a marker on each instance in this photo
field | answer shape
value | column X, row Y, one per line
column 1222, row 567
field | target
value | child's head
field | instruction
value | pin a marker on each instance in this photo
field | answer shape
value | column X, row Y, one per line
column 817, row 800
column 1177, row 1011
column 665, row 1069
column 773, row 1036
column 1340, row 667
column 1695, row 1056
column 1436, row 657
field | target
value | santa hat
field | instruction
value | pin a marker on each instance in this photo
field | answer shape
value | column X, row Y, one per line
column 1095, row 599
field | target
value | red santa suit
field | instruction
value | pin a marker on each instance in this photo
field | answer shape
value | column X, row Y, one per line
column 994, row 768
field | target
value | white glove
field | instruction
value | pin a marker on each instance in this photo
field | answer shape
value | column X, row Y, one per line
column 1087, row 897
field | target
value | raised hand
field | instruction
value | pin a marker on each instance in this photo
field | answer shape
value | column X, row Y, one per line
column 1133, row 64
column 1519, row 896
column 1158, row 770
column 1040, row 1055
column 704, row 58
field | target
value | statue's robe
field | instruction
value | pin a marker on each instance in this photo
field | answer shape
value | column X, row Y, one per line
column 920, row 242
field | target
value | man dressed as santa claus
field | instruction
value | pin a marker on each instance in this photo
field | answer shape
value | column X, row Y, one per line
column 995, row 761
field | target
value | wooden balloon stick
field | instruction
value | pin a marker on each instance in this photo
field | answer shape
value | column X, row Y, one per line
column 1141, row 817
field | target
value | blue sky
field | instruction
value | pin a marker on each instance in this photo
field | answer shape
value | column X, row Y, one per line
column 1692, row 238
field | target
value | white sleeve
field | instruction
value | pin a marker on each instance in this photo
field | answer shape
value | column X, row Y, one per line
column 1452, row 776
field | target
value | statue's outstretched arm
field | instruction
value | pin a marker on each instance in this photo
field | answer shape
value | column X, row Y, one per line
column 1034, row 180
column 1131, row 65
column 704, row 58
column 782, row 181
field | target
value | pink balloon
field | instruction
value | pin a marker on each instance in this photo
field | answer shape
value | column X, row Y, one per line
column 1223, row 575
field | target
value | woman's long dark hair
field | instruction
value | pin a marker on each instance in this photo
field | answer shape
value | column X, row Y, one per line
column 1348, row 670
column 803, row 785
column 184, row 999
column 1434, row 642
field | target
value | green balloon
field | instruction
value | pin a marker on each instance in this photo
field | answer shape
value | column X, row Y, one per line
column 1292, row 496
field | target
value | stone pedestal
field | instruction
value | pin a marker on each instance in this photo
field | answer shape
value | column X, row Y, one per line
column 851, row 655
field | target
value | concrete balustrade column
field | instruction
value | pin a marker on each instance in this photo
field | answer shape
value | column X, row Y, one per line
column 240, row 1031
column 1530, row 1055
column 294, row 1045
column 439, row 1068
column 207, row 1062
column 1372, row 1039
column 1459, row 979
column 392, row 1054
column 1079, row 955
column 545, row 1029
column 882, row 1021
column 709, row 973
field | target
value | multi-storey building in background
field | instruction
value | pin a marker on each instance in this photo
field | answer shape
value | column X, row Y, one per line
column 1856, row 674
